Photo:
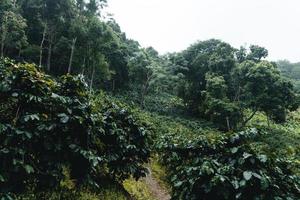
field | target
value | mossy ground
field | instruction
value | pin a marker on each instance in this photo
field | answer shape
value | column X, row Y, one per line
column 139, row 190
column 159, row 173
column 110, row 193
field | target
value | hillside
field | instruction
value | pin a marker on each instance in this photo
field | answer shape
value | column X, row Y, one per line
column 87, row 113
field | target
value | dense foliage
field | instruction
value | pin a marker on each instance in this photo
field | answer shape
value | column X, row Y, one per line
column 215, row 80
column 125, row 139
column 221, row 82
column 203, row 162
column 226, row 167
column 48, row 125
column 67, row 36
column 291, row 71
column 223, row 121
column 77, row 37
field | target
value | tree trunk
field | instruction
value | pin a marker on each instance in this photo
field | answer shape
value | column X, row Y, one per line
column 49, row 56
column 237, row 95
column 72, row 54
column 2, row 44
column 268, row 119
column 228, row 124
column 144, row 91
column 19, row 54
column 3, row 36
column 83, row 66
column 113, row 85
column 41, row 46
column 249, row 118
column 92, row 79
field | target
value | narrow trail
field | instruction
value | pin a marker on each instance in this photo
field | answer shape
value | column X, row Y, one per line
column 157, row 191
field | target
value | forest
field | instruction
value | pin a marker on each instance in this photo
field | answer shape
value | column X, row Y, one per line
column 87, row 113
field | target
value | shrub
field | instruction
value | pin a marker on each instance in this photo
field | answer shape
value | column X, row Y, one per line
column 125, row 139
column 227, row 167
column 47, row 124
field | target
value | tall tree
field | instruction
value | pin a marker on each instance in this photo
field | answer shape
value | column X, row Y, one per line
column 221, row 83
column 94, row 6
column 211, row 56
column 13, row 35
column 146, row 71
column 257, row 53
column 266, row 91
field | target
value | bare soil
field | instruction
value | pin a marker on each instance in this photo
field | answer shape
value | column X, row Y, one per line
column 157, row 191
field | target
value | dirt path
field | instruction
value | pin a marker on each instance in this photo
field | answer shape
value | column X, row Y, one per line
column 157, row 191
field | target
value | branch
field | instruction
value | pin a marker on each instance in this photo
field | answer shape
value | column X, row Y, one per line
column 249, row 118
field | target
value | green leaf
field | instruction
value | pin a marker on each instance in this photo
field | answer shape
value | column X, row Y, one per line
column 64, row 118
column 234, row 150
column 28, row 135
column 247, row 155
column 14, row 94
column 235, row 184
column 256, row 175
column 26, row 118
column 2, row 178
column 5, row 151
column 6, row 197
column 262, row 158
column 264, row 183
column 35, row 116
column 55, row 96
column 29, row 169
column 178, row 184
column 247, row 175
column 237, row 196
column 31, row 117
column 242, row 183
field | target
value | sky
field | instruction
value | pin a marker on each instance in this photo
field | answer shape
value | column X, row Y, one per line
column 173, row 25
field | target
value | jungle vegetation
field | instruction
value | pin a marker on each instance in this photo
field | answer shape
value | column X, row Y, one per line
column 83, row 109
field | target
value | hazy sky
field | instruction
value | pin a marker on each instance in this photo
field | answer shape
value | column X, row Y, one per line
column 172, row 25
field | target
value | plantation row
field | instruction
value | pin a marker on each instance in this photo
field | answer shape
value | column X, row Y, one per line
column 227, row 167
column 204, row 163
column 49, row 125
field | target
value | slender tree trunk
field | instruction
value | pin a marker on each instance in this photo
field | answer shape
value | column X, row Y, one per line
column 228, row 124
column 237, row 95
column 113, row 85
column 144, row 91
column 2, row 45
column 19, row 54
column 2, row 49
column 83, row 66
column 3, row 36
column 92, row 79
column 41, row 46
column 72, row 54
column 268, row 119
column 49, row 56
column 249, row 118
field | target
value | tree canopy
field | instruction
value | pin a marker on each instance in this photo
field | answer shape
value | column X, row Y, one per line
column 222, row 82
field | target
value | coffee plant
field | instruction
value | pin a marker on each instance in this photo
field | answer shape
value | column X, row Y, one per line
column 226, row 167
column 47, row 124
column 125, row 138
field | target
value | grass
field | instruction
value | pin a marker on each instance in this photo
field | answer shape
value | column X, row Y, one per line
column 138, row 189
column 159, row 173
column 108, row 193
